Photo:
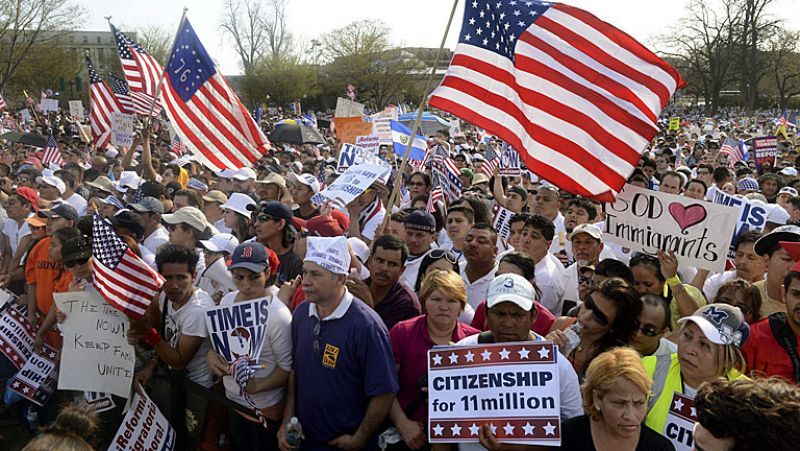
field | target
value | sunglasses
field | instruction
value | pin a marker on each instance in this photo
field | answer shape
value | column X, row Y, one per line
column 263, row 217
column 585, row 280
column 437, row 254
column 80, row 261
column 650, row 331
column 598, row 316
column 317, row 329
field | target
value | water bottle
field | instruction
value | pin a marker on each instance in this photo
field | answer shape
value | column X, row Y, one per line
column 573, row 334
column 293, row 432
column 32, row 416
column 223, row 441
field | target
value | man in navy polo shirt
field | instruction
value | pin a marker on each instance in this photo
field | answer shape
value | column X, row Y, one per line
column 343, row 378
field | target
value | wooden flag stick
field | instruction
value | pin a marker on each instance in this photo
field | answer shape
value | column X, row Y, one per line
column 399, row 174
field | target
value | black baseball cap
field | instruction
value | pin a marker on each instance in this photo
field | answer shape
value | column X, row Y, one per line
column 62, row 210
column 251, row 255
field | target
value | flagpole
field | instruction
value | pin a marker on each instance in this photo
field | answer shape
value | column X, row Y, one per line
column 399, row 174
column 164, row 72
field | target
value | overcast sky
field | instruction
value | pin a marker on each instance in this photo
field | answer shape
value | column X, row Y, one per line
column 416, row 23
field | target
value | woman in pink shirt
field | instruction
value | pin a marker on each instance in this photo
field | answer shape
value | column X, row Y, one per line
column 443, row 296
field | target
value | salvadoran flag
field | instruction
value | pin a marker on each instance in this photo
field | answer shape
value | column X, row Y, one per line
column 400, row 137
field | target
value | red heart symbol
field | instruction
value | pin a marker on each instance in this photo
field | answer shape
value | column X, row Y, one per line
column 687, row 216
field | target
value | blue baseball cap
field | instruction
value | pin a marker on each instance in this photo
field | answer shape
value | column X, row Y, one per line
column 250, row 255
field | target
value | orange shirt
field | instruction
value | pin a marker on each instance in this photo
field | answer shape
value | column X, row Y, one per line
column 50, row 277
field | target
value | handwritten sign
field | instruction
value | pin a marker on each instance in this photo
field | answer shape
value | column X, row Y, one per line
column 680, row 422
column 501, row 216
column 648, row 221
column 513, row 387
column 25, row 114
column 381, row 125
column 96, row 355
column 352, row 183
column 752, row 216
column 121, row 129
column 36, row 381
column 348, row 108
column 675, row 124
column 370, row 143
column 49, row 105
column 509, row 162
column 76, row 108
column 766, row 149
column 16, row 336
column 144, row 427
column 238, row 329
column 349, row 128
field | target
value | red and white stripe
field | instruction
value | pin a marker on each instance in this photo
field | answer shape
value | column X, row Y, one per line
column 52, row 154
column 2, row 103
column 131, row 287
column 102, row 104
column 215, row 125
column 489, row 166
column 580, row 102
column 436, row 195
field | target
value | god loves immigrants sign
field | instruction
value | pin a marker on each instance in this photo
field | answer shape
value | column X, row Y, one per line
column 648, row 221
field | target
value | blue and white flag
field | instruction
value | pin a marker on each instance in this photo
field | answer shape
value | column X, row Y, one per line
column 309, row 120
column 400, row 137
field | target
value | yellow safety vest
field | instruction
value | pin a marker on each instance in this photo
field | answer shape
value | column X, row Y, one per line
column 665, row 371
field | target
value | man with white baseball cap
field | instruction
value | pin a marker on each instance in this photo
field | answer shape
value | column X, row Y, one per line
column 509, row 315
column 343, row 379
column 244, row 180
column 212, row 208
column 185, row 227
column 786, row 194
column 224, row 181
column 50, row 187
column 302, row 189
column 587, row 244
column 216, row 280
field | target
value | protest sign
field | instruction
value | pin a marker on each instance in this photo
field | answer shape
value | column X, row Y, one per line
column 766, row 150
column 144, row 427
column 76, row 109
column 348, row 128
column 381, row 124
column 370, row 143
column 96, row 355
column 16, row 336
column 347, row 157
column 675, row 124
column 100, row 402
column 348, row 108
column 238, row 329
column 121, row 129
column 513, row 387
column 509, row 162
column 26, row 115
column 455, row 128
column 501, row 216
column 49, row 105
column 36, row 381
column 752, row 215
column 7, row 299
column 352, row 183
column 648, row 221
column 681, row 418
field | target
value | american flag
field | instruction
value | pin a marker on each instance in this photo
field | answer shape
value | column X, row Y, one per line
column 52, row 154
column 577, row 97
column 489, row 166
column 2, row 103
column 205, row 112
column 445, row 175
column 103, row 104
column 733, row 148
column 142, row 73
column 436, row 195
column 123, row 279
column 120, row 89
column 783, row 121
column 420, row 164
column 178, row 147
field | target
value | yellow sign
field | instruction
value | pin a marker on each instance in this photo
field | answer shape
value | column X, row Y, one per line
column 330, row 355
column 675, row 124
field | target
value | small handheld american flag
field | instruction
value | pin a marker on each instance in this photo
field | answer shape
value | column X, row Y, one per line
column 123, row 279
column 52, row 154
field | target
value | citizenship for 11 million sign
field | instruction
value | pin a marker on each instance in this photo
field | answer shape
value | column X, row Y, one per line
column 512, row 387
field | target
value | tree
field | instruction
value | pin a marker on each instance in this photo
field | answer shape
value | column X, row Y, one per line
column 283, row 78
column 783, row 65
column 754, row 28
column 157, row 41
column 257, row 28
column 361, row 54
column 25, row 24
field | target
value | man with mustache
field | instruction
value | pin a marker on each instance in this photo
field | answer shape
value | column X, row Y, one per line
column 392, row 300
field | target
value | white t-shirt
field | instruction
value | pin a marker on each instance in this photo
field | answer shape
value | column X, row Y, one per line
column 78, row 203
column 190, row 320
column 569, row 388
column 156, row 239
column 15, row 233
column 549, row 280
column 220, row 225
column 476, row 290
column 216, row 278
column 276, row 352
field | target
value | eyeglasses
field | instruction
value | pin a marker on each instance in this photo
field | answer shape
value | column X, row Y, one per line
column 317, row 329
column 599, row 316
column 650, row 331
column 80, row 261
column 437, row 254
column 263, row 217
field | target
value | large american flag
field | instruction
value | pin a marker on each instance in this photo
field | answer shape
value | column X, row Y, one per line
column 578, row 98
column 142, row 72
column 2, row 103
column 51, row 153
column 123, row 279
column 103, row 104
column 123, row 94
column 206, row 114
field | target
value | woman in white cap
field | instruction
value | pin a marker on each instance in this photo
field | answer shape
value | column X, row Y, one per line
column 236, row 215
column 708, row 349
column 216, row 280
column 266, row 388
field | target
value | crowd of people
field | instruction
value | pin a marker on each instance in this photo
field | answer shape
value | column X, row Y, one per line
column 358, row 295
